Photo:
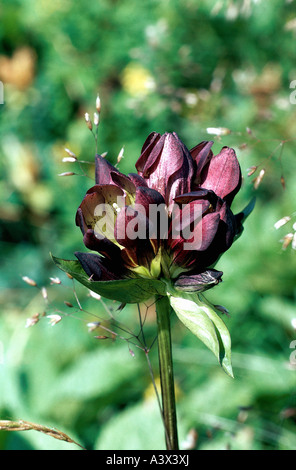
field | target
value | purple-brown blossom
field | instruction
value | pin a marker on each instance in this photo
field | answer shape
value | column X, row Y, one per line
column 171, row 219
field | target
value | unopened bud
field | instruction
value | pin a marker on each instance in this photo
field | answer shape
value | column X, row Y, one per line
column 88, row 121
column 131, row 352
column 94, row 295
column 218, row 130
column 44, row 293
column 120, row 155
column 32, row 321
column 283, row 183
column 67, row 173
column 54, row 319
column 98, row 104
column 252, row 170
column 69, row 160
column 104, row 154
column 70, row 153
column 55, row 280
column 96, row 119
column 259, row 178
column 282, row 222
column 29, row 281
column 93, row 326
column 287, row 240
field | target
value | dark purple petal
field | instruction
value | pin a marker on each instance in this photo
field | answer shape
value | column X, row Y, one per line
column 186, row 251
column 149, row 154
column 103, row 170
column 222, row 175
column 131, row 226
column 146, row 196
column 188, row 214
column 198, row 282
column 179, row 168
column 124, row 182
column 152, row 204
column 101, row 245
column 209, row 226
column 137, row 180
column 201, row 154
column 95, row 196
column 140, row 254
column 228, row 225
column 99, row 269
column 80, row 222
column 200, row 193
column 167, row 165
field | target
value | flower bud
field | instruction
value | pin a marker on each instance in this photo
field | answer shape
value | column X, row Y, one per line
column 29, row 281
column 88, row 121
column 259, row 178
column 98, row 104
column 218, row 130
column 54, row 319
column 198, row 282
column 93, row 326
column 44, row 293
column 287, row 240
column 70, row 153
column 252, row 170
column 55, row 280
column 282, row 222
column 32, row 321
column 94, row 295
column 120, row 155
column 96, row 119
column 69, row 160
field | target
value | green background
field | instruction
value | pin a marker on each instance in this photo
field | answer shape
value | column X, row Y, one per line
column 158, row 66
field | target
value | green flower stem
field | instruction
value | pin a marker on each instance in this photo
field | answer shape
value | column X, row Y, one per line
column 163, row 310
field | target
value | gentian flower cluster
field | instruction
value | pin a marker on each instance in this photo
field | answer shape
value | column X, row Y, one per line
column 171, row 219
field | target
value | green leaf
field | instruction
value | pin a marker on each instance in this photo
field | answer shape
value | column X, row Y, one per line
column 200, row 317
column 133, row 290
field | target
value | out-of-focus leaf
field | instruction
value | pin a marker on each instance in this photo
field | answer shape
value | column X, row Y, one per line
column 143, row 430
column 96, row 374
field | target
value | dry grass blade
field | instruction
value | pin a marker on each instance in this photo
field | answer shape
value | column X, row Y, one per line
column 20, row 425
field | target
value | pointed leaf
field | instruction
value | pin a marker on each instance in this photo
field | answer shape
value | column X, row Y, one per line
column 223, row 334
column 200, row 317
column 197, row 321
column 132, row 290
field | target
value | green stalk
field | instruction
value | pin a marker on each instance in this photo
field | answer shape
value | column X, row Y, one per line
column 163, row 310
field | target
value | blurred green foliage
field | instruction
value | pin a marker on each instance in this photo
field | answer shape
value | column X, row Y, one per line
column 164, row 66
